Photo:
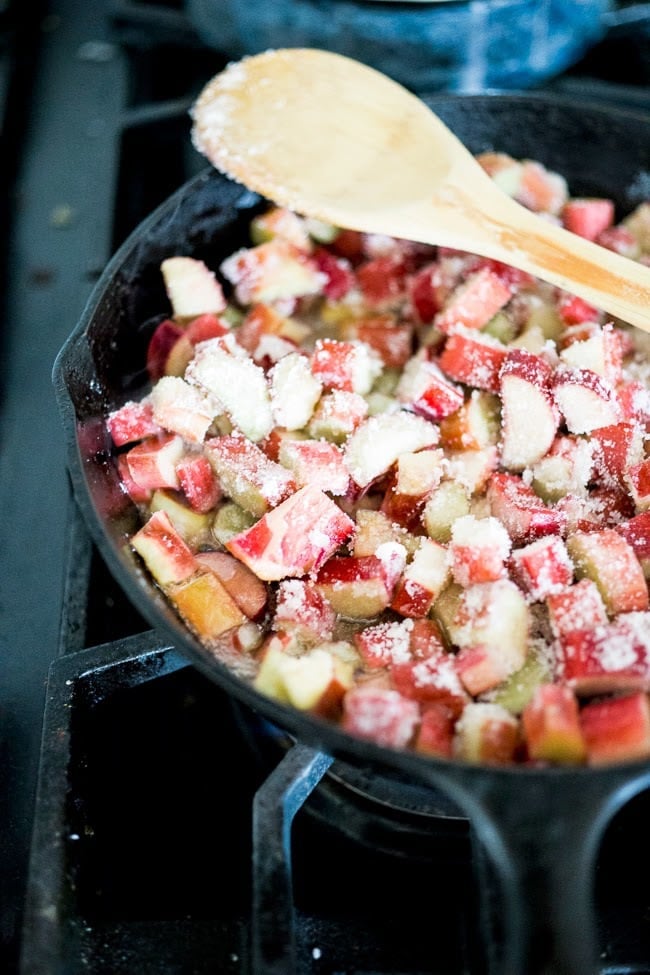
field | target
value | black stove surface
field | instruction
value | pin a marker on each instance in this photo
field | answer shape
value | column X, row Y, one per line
column 141, row 847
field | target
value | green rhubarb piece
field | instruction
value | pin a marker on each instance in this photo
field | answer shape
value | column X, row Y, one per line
column 230, row 520
column 447, row 503
column 515, row 692
column 500, row 327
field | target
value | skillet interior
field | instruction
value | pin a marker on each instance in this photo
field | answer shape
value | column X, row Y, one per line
column 600, row 151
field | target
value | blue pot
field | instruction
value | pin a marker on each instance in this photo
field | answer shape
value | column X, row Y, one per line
column 427, row 46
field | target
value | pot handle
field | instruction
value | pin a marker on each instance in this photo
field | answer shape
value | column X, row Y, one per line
column 541, row 835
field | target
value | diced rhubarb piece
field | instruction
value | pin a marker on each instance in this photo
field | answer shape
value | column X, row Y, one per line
column 578, row 607
column 567, row 469
column 493, row 615
column 271, row 271
column 503, row 169
column 634, row 401
column 152, row 463
column 385, row 644
column 168, row 558
column 181, row 408
column 486, row 733
column 601, row 352
column 551, row 726
column 163, row 340
column 193, row 526
column 206, row 606
column 620, row 240
column 617, row 730
column 302, row 610
column 431, row 678
column 382, row 280
column 391, row 340
column 543, row 567
column 317, row 681
column 585, row 399
column 222, row 368
column 481, row 668
column 247, row 475
column 524, row 515
column 611, row 658
column 448, row 502
column 637, row 479
column 424, row 389
column 230, row 520
column 574, row 310
column 204, row 327
column 588, row 216
column 337, row 271
column 198, row 483
column 474, row 359
column 424, row 293
column 518, row 689
column 263, row 321
column 416, row 476
column 423, row 579
column 541, row 189
column 473, row 303
column 605, row 557
column 280, row 222
column 380, row 714
column 246, row 589
column 337, row 415
column 360, row 588
column 435, row 733
column 478, row 550
column 530, row 418
column 616, row 449
column 132, row 422
column 348, row 243
column 316, row 462
column 295, row 538
column 269, row 679
column 475, row 425
column 636, row 532
column 295, row 391
column 377, row 443
column 472, row 469
column 192, row 288
column 374, row 528
column 137, row 494
column 350, row 366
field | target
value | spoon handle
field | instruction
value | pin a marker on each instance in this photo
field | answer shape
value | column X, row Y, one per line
column 513, row 234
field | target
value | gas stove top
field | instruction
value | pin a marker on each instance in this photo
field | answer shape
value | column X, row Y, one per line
column 147, row 843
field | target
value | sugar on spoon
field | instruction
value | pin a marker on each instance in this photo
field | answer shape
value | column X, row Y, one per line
column 334, row 139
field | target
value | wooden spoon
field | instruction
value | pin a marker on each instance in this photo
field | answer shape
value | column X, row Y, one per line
column 331, row 138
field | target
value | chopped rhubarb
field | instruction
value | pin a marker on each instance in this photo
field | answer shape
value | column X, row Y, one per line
column 551, row 726
column 132, row 422
column 617, row 730
column 474, row 359
column 295, row 538
column 247, row 475
column 382, row 715
column 408, row 486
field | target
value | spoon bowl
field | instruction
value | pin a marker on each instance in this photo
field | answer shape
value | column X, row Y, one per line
column 332, row 138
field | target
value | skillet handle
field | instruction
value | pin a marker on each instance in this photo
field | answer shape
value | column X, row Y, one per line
column 541, row 835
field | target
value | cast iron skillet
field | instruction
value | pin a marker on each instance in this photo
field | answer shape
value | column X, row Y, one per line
column 540, row 827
